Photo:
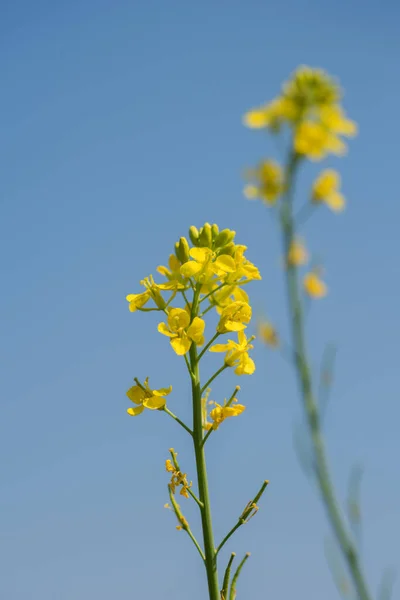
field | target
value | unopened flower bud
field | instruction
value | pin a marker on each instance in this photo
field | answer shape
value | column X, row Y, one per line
column 183, row 250
column 214, row 231
column 224, row 237
column 194, row 235
column 158, row 299
column 228, row 249
column 205, row 237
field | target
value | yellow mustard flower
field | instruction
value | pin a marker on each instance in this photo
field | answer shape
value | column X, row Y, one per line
column 315, row 141
column 335, row 120
column 172, row 273
column 234, row 317
column 244, row 269
column 181, row 331
column 237, row 354
column 205, row 265
column 221, row 412
column 297, row 254
column 270, row 115
column 144, row 397
column 137, row 301
column 268, row 186
column 268, row 334
column 314, row 286
column 153, row 291
column 326, row 190
column 310, row 88
column 227, row 295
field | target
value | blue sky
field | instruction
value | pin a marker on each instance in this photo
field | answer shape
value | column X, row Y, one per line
column 121, row 126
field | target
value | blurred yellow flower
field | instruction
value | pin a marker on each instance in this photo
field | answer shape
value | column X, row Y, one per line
column 181, row 331
column 144, row 397
column 311, row 88
column 326, row 189
column 268, row 334
column 297, row 254
column 334, row 119
column 314, row 286
column 271, row 115
column 316, row 141
column 268, row 186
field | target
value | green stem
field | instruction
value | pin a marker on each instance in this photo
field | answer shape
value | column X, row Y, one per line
column 322, row 470
column 206, row 519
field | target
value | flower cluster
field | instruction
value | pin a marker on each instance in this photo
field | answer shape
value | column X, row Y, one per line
column 209, row 274
column 309, row 107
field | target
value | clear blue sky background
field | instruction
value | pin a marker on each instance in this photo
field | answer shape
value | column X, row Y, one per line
column 121, row 126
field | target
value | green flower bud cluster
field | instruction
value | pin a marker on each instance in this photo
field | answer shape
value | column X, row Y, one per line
column 209, row 236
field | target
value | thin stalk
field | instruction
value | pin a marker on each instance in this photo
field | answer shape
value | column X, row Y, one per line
column 213, row 291
column 322, row 470
column 232, row 593
column 183, row 524
column 225, row 585
column 213, row 377
column 244, row 517
column 177, row 419
column 206, row 519
column 206, row 347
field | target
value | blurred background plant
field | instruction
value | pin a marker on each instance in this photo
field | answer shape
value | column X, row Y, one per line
column 309, row 119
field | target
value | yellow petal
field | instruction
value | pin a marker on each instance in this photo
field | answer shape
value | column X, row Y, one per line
column 246, row 365
column 314, row 286
column 181, row 345
column 336, row 201
column 233, row 326
column 162, row 328
column 196, row 330
column 190, row 268
column 154, row 403
column 136, row 394
column 163, row 271
column 251, row 192
column 200, row 255
column 255, row 119
column 178, row 318
column 219, row 348
column 226, row 263
column 163, row 391
column 134, row 412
